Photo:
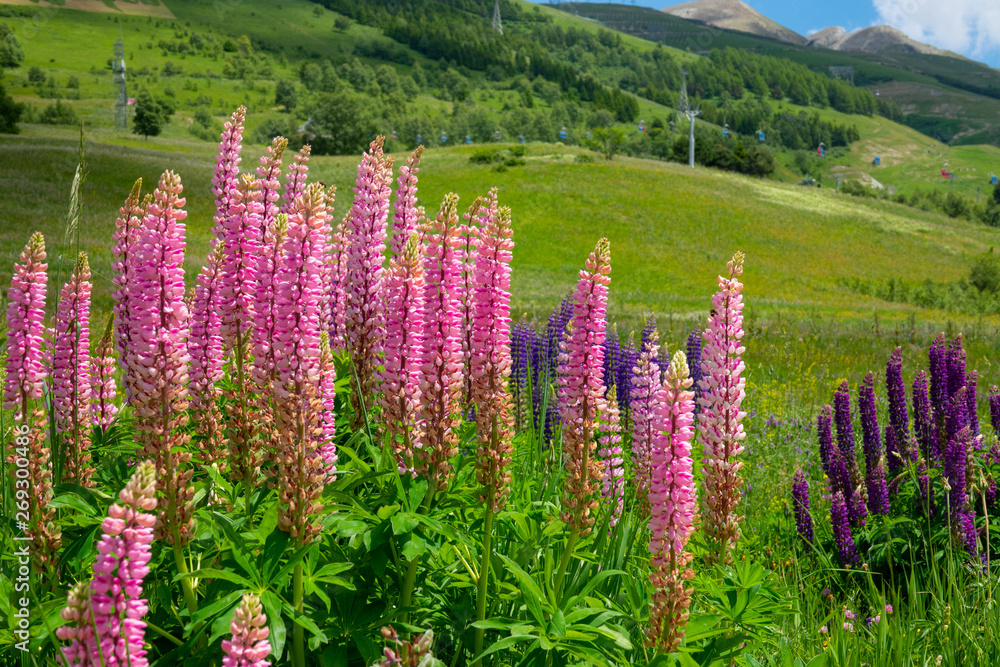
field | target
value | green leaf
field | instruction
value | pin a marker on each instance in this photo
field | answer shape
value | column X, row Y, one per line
column 349, row 528
column 418, row 489
column 414, row 547
column 267, row 523
column 274, row 549
column 558, row 624
column 818, row 661
column 403, row 523
column 75, row 502
column 504, row 643
column 272, row 605
column 217, row 607
column 305, row 622
column 210, row 573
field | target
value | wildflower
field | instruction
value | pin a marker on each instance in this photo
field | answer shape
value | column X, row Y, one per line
column 103, row 390
column 610, row 453
column 878, row 492
column 71, row 367
column 295, row 180
column 336, row 289
column 849, row 615
column 297, row 391
column 365, row 234
column 848, row 626
column 326, row 446
column 408, row 216
column 490, row 355
column 113, row 596
column 481, row 214
column 823, row 629
column 269, row 180
column 645, row 383
column 800, row 501
column 855, row 504
column 888, row 609
column 227, row 169
column 923, row 421
column 26, row 368
column 126, row 224
column 400, row 375
column 719, row 423
column 581, row 388
column 955, row 462
column 672, row 506
column 826, row 593
column 938, row 361
column 842, row 531
column 441, row 386
column 159, row 331
column 971, row 410
column 415, row 653
column 248, row 645
column 205, row 347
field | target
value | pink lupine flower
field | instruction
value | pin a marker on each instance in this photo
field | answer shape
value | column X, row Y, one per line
column 673, row 501
column 129, row 217
column 581, row 388
column 26, row 368
column 408, row 216
column 227, row 169
column 103, row 391
column 401, row 373
column 365, row 234
column 269, row 180
column 300, row 474
column 205, row 347
column 645, row 384
column 265, row 298
column 328, row 401
column 71, row 373
column 337, row 278
column 610, row 453
column 158, row 358
column 122, row 564
column 295, row 179
column 79, row 629
column 248, row 646
column 441, row 386
column 241, row 239
column 490, row 358
column 481, row 213
column 719, row 422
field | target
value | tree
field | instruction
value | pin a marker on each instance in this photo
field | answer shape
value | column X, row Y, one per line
column 150, row 116
column 342, row 23
column 985, row 273
column 342, row 124
column 10, row 113
column 285, row 94
column 996, row 194
column 11, row 54
column 607, row 140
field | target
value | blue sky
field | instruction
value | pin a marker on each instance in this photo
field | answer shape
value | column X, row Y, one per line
column 968, row 27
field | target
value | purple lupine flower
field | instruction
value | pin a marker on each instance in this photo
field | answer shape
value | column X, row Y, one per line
column 923, row 419
column 520, row 352
column 824, row 431
column 955, row 415
column 971, row 407
column 840, row 522
column 992, row 458
column 955, row 460
column 800, row 502
column 845, row 444
column 956, row 366
column 627, row 360
column 694, row 360
column 896, row 392
column 612, row 348
column 893, row 452
column 938, row 359
column 966, row 526
column 994, row 399
column 878, row 494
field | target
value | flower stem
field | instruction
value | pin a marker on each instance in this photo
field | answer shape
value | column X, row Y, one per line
column 564, row 563
column 298, row 636
column 190, row 599
column 484, row 576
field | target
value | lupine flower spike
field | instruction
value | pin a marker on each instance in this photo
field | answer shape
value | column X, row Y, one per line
column 490, row 355
column 205, row 347
column 159, row 331
column 400, row 376
column 610, row 453
column 853, row 498
column 719, row 423
column 327, row 446
column 269, row 180
column 645, row 386
column 416, row 653
column 295, row 179
column 878, row 491
column 408, row 216
column 26, row 373
column 365, row 236
column 800, row 504
column 673, row 503
column 126, row 226
column 337, row 284
column 104, row 616
column 227, row 169
column 581, row 389
column 103, row 391
column 481, row 214
column 300, row 473
column 248, row 645
column 842, row 532
column 442, row 362
column 71, row 369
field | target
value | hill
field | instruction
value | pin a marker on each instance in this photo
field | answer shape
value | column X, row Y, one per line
column 734, row 15
column 873, row 39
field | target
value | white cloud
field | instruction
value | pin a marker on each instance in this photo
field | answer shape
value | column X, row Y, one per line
column 969, row 27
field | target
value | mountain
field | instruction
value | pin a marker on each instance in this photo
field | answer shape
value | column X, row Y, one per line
column 875, row 39
column 734, row 15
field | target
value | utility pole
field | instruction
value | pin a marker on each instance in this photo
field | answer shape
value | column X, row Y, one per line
column 496, row 18
column 684, row 106
column 121, row 99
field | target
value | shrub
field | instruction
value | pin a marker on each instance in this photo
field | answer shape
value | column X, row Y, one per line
column 59, row 114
